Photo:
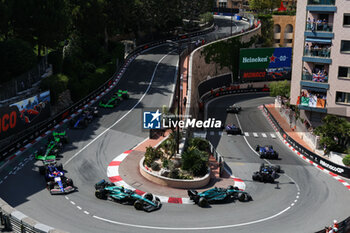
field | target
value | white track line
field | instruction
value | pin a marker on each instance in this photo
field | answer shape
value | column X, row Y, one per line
column 139, row 101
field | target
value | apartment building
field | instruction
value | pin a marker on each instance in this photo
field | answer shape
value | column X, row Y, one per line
column 321, row 59
column 233, row 4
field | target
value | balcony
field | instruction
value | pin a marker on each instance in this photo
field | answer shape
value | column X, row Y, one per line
column 277, row 36
column 322, row 30
column 319, row 55
column 321, row 6
column 312, row 99
column 288, row 35
column 319, row 80
column 321, row 2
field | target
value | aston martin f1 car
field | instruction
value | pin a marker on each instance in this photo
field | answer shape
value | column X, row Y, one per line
column 114, row 100
column 233, row 129
column 266, row 152
column 84, row 118
column 267, row 173
column 54, row 145
column 57, row 182
column 233, row 109
column 218, row 194
column 146, row 202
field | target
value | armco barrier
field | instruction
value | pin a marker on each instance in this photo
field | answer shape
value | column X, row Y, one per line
column 38, row 130
column 335, row 168
column 235, row 89
column 344, row 227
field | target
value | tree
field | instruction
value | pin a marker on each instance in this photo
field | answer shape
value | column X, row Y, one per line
column 280, row 88
column 226, row 53
column 334, row 133
column 263, row 5
column 266, row 38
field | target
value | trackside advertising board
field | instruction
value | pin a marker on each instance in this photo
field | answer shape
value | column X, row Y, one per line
column 24, row 114
column 265, row 64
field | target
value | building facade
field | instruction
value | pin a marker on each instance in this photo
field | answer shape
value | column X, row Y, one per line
column 232, row 4
column 283, row 28
column 321, row 59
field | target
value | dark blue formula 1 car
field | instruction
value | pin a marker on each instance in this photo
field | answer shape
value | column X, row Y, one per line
column 266, row 152
column 146, row 202
column 218, row 194
column 57, row 182
column 267, row 173
column 84, row 118
column 233, row 109
column 233, row 129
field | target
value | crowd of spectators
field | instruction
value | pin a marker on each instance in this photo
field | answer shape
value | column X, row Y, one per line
column 317, row 50
column 318, row 25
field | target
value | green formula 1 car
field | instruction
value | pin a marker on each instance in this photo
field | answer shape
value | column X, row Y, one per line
column 53, row 147
column 218, row 194
column 146, row 202
column 114, row 100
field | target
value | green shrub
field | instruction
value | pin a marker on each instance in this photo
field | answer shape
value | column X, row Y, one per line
column 56, row 84
column 346, row 160
column 200, row 143
column 195, row 161
column 174, row 173
column 155, row 166
column 151, row 154
column 165, row 163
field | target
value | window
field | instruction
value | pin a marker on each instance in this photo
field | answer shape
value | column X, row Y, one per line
column 346, row 21
column 344, row 72
column 342, row 97
column 345, row 46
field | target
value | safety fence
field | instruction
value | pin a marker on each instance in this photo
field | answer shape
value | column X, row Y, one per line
column 335, row 168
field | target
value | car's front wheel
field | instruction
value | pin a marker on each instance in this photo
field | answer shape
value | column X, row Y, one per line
column 101, row 194
column 202, row 202
column 138, row 205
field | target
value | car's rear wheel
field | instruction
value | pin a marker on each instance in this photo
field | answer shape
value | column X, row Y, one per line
column 101, row 194
column 69, row 182
column 278, row 168
column 59, row 167
column 138, row 205
column 148, row 196
column 202, row 202
column 241, row 196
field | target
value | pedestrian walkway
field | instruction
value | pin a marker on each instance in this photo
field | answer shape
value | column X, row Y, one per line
column 286, row 127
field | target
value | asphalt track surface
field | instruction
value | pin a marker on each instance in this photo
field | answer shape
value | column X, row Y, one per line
column 150, row 82
column 319, row 198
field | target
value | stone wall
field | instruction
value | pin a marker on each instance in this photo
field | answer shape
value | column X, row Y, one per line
column 199, row 70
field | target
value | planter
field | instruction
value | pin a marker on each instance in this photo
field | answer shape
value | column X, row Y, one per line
column 174, row 183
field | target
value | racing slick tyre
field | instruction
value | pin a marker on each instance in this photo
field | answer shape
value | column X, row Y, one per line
column 60, row 167
column 157, row 199
column 241, row 197
column 101, row 194
column 69, row 182
column 262, row 165
column 202, row 202
column 148, row 196
column 262, row 156
column 256, row 177
column 270, row 179
column 257, row 148
column 138, row 205
column 42, row 170
column 230, row 187
column 278, row 168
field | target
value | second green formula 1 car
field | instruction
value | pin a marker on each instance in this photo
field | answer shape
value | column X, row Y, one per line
column 53, row 147
column 114, row 100
column 146, row 202
column 218, row 194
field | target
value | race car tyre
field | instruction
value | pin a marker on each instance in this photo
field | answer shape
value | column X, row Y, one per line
column 202, row 202
column 157, row 199
column 148, row 196
column 278, row 168
column 230, row 187
column 236, row 188
column 241, row 197
column 69, row 182
column 257, row 148
column 101, row 194
column 60, row 167
column 138, row 205
column 261, row 156
column 50, row 185
column 262, row 166
column 42, row 170
column 270, row 179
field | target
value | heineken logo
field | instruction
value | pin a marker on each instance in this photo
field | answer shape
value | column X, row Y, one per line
column 255, row 59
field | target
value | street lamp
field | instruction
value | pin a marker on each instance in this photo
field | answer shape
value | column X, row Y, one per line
column 178, row 80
